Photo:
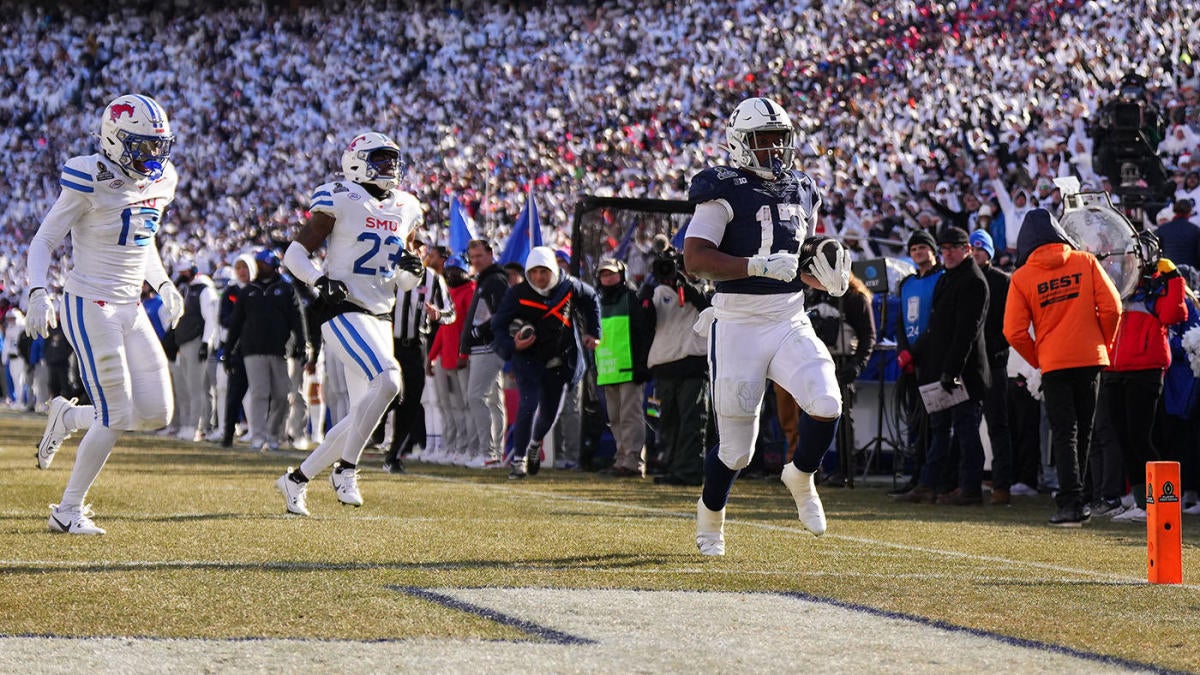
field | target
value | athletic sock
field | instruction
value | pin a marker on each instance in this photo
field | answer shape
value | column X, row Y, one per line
column 343, row 465
column 815, row 439
column 297, row 477
column 718, row 480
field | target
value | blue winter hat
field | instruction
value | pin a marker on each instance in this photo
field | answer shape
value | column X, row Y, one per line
column 983, row 240
column 267, row 257
column 456, row 261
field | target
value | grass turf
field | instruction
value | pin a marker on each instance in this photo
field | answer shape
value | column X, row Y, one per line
column 198, row 546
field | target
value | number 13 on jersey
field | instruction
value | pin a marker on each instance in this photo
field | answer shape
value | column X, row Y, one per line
column 785, row 222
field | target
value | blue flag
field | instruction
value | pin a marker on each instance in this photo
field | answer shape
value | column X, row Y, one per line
column 677, row 240
column 622, row 251
column 461, row 230
column 526, row 234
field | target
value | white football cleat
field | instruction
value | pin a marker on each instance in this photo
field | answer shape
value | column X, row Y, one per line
column 710, row 529
column 78, row 521
column 295, row 495
column 808, row 504
column 345, row 485
column 56, row 431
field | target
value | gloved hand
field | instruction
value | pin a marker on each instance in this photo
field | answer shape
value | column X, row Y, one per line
column 331, row 291
column 904, row 359
column 172, row 303
column 411, row 263
column 203, row 352
column 949, row 382
column 781, row 266
column 41, row 317
column 1167, row 268
column 836, row 277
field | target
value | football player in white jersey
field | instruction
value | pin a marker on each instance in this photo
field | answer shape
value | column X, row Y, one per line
column 369, row 226
column 753, row 232
column 111, row 204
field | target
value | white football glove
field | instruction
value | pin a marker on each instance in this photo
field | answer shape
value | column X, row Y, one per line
column 41, row 317
column 835, row 278
column 172, row 303
column 781, row 266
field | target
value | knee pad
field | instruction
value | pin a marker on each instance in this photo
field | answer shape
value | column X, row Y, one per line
column 153, row 415
column 825, row 406
column 389, row 383
column 737, row 441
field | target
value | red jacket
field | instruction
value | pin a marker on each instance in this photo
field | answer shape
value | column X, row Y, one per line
column 1141, row 342
column 445, row 343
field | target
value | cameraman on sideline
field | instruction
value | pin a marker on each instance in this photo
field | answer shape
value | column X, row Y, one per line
column 1127, row 131
column 678, row 360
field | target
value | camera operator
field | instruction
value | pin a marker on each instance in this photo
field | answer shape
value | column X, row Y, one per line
column 1127, row 131
column 678, row 360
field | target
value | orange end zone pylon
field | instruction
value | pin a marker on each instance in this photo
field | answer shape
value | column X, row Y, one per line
column 1164, row 537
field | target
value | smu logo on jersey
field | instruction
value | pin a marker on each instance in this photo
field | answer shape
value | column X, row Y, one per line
column 382, row 224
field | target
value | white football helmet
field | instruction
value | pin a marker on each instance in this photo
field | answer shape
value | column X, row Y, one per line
column 751, row 117
column 372, row 158
column 135, row 134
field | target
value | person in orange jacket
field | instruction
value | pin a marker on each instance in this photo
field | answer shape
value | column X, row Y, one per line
column 1073, row 308
column 1133, row 383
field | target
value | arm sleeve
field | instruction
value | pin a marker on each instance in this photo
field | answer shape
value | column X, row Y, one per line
column 300, row 264
column 155, row 273
column 69, row 206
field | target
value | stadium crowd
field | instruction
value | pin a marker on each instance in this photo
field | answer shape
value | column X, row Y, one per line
column 911, row 116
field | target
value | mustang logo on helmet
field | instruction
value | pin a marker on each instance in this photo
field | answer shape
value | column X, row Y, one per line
column 117, row 109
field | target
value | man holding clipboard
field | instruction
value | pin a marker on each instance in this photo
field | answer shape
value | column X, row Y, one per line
column 952, row 371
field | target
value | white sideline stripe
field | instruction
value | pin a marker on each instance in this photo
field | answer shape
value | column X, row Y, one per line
column 621, row 630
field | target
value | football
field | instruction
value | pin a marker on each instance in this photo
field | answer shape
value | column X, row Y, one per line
column 821, row 245
column 521, row 329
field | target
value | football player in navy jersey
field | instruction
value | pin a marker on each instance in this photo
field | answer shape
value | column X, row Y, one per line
column 754, row 233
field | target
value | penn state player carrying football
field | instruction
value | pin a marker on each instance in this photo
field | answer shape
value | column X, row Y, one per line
column 753, row 233
column 111, row 204
column 370, row 227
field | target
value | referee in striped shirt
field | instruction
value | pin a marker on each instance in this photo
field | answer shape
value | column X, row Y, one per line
column 418, row 313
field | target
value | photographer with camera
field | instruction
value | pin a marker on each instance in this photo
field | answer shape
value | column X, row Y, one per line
column 678, row 361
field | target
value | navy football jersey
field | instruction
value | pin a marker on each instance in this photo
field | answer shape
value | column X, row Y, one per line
column 767, row 217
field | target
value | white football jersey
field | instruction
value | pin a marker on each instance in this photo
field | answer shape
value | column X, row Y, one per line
column 112, row 220
column 367, row 240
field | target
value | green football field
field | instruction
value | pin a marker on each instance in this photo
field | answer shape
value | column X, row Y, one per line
column 449, row 569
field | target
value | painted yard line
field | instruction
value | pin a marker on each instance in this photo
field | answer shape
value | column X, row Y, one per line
column 16, row 566
column 799, row 531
